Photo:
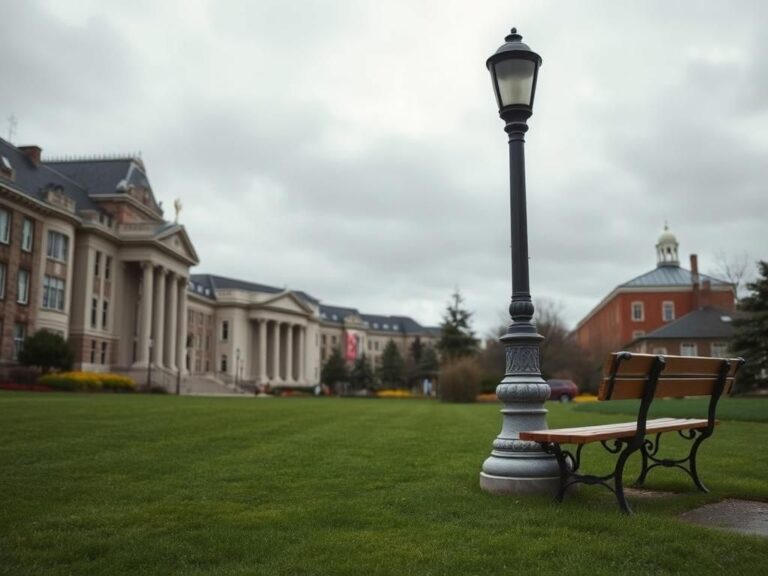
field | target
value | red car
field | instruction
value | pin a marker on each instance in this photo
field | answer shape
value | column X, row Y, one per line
column 562, row 390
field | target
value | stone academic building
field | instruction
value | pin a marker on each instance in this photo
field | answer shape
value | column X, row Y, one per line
column 85, row 251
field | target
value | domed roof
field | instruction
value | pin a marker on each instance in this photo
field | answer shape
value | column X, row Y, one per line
column 667, row 237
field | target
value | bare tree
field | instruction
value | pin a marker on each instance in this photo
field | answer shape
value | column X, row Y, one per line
column 732, row 268
column 561, row 355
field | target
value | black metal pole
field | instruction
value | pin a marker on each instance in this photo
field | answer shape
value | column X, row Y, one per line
column 521, row 307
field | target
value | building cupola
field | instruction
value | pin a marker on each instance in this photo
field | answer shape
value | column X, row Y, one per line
column 666, row 249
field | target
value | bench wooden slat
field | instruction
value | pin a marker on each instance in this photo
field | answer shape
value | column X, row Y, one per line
column 626, row 388
column 611, row 431
column 696, row 366
column 638, row 364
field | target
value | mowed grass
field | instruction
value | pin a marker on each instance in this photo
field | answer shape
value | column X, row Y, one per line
column 129, row 484
column 746, row 409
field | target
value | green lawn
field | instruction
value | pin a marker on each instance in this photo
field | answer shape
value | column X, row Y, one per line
column 746, row 409
column 141, row 485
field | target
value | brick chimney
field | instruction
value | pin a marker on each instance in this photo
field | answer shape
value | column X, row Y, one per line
column 695, row 281
column 34, row 153
column 706, row 294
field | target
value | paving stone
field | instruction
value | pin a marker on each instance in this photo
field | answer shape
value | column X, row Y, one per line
column 744, row 516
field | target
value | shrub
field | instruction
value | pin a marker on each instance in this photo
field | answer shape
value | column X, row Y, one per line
column 46, row 350
column 460, row 380
column 489, row 382
column 117, row 383
column 87, row 382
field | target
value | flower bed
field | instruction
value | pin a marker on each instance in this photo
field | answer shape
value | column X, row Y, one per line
column 396, row 393
column 87, row 382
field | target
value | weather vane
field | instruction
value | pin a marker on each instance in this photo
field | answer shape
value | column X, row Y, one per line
column 177, row 208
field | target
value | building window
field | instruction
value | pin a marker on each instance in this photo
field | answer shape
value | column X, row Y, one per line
column 376, row 346
column 19, row 333
column 333, row 340
column 53, row 293
column 638, row 312
column 107, row 267
column 104, row 314
column 660, row 350
column 97, row 263
column 93, row 351
column 22, row 287
column 3, row 270
column 94, row 312
column 5, row 226
column 719, row 350
column 637, row 334
column 688, row 349
column 58, row 246
column 668, row 311
column 27, row 234
column 223, row 362
column 103, row 352
column 225, row 330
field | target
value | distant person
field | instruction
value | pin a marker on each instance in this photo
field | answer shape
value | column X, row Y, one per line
column 426, row 386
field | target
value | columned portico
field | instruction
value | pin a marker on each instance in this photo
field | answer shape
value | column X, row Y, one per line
column 159, row 318
column 181, row 334
column 289, row 353
column 145, row 313
column 172, row 314
column 303, row 354
column 262, row 359
column 276, row 345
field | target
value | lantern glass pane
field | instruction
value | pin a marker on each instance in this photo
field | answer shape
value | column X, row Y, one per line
column 515, row 81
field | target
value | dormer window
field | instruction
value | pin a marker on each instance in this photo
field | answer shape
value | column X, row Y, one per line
column 5, row 168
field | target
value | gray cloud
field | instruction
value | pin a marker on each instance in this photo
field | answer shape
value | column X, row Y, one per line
column 351, row 149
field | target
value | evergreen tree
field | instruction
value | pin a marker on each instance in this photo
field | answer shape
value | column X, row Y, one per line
column 47, row 351
column 750, row 340
column 429, row 364
column 416, row 349
column 335, row 369
column 362, row 373
column 392, row 370
column 457, row 337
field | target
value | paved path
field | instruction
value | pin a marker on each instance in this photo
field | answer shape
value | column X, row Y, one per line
column 742, row 516
column 198, row 386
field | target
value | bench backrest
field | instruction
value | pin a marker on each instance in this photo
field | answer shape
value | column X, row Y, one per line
column 626, row 375
column 648, row 376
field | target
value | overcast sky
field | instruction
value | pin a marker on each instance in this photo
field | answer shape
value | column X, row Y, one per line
column 353, row 149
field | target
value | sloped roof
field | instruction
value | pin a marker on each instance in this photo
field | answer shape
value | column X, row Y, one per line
column 213, row 282
column 378, row 322
column 670, row 276
column 34, row 180
column 103, row 176
column 703, row 323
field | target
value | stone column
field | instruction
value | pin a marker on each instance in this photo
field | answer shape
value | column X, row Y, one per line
column 289, row 353
column 159, row 318
column 181, row 322
column 276, row 352
column 145, row 313
column 170, row 333
column 262, row 369
column 302, row 353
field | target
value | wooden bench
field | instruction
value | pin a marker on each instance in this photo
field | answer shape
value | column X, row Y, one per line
column 642, row 376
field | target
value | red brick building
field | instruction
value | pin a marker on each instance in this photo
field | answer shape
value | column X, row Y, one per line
column 636, row 309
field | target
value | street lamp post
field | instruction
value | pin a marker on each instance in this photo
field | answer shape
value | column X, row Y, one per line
column 516, row 466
